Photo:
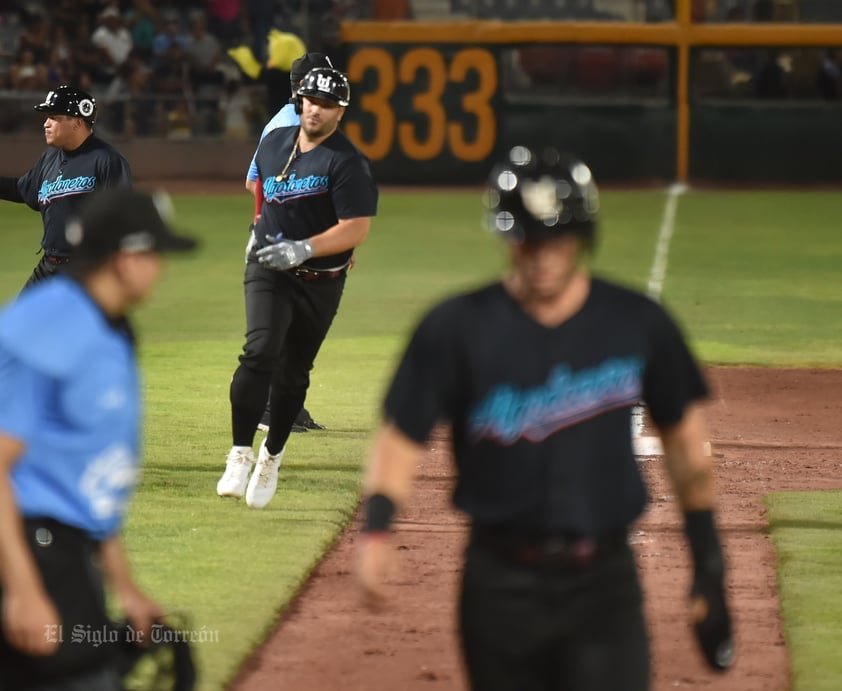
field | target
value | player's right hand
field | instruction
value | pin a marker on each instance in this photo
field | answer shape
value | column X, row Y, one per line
column 375, row 564
column 30, row 621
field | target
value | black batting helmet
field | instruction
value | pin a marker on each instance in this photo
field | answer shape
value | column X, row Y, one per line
column 299, row 70
column 66, row 100
column 326, row 82
column 538, row 195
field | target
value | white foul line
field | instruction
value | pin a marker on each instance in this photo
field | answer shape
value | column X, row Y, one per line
column 651, row 446
column 662, row 248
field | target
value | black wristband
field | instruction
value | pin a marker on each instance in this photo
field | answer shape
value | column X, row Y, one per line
column 704, row 544
column 379, row 511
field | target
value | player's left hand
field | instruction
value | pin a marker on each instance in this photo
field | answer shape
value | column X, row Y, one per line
column 284, row 254
column 375, row 566
column 712, row 621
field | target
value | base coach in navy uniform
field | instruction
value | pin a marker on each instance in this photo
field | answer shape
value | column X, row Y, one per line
column 76, row 163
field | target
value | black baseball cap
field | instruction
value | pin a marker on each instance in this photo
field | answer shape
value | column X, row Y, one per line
column 124, row 220
column 304, row 64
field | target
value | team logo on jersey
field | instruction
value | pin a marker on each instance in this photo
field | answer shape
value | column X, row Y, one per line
column 293, row 187
column 60, row 187
column 508, row 413
column 108, row 481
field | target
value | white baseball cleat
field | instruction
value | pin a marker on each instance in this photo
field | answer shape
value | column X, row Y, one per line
column 264, row 479
column 237, row 468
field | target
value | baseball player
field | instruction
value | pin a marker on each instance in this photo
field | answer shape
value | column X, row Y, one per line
column 76, row 163
column 288, row 116
column 537, row 375
column 69, row 447
column 319, row 199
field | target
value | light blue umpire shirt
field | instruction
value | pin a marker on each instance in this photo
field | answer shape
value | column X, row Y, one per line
column 69, row 391
column 285, row 117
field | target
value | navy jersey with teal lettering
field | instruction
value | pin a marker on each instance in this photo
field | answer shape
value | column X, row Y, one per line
column 60, row 181
column 541, row 416
column 331, row 182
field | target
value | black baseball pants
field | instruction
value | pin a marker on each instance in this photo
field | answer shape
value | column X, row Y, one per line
column 287, row 319
column 577, row 629
column 68, row 562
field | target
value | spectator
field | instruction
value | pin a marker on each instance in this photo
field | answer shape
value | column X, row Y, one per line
column 65, row 15
column 829, row 75
column 260, row 15
column 769, row 81
column 36, row 38
column 236, row 109
column 27, row 75
column 142, row 22
column 204, row 53
column 113, row 39
column 60, row 66
column 87, row 58
column 169, row 35
column 225, row 20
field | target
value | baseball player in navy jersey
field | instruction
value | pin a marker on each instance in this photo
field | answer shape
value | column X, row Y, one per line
column 537, row 375
column 288, row 116
column 76, row 163
column 319, row 199
column 70, row 437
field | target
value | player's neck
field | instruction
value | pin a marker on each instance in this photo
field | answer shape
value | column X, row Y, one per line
column 308, row 143
column 552, row 307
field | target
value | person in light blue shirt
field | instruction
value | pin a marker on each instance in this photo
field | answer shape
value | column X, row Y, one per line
column 288, row 116
column 70, row 414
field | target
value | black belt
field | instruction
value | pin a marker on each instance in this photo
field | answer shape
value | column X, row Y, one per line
column 306, row 274
column 546, row 551
column 56, row 259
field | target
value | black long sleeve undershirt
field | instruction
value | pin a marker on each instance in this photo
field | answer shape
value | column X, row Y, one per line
column 9, row 190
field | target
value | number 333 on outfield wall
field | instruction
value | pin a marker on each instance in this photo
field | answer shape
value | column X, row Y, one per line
column 426, row 103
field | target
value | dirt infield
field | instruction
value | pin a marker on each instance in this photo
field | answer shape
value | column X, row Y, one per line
column 771, row 429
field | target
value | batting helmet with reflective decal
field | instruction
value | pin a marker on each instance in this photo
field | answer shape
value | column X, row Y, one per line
column 326, row 82
column 534, row 196
column 67, row 100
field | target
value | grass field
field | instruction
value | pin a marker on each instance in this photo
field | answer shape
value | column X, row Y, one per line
column 753, row 277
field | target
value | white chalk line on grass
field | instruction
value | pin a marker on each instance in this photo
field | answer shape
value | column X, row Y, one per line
column 658, row 271
column 651, row 446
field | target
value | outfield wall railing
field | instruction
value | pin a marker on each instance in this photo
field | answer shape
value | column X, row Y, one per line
column 429, row 98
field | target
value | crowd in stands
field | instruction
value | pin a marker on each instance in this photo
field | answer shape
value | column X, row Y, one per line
column 161, row 67
column 125, row 52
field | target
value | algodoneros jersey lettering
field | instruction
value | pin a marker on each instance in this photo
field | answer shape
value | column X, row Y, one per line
column 543, row 441
column 317, row 188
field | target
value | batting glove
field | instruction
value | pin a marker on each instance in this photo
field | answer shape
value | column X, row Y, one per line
column 284, row 254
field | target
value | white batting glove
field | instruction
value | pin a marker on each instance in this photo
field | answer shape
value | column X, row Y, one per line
column 284, row 254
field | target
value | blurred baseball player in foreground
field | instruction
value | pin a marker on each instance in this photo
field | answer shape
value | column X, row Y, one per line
column 537, row 376
column 76, row 164
column 70, row 414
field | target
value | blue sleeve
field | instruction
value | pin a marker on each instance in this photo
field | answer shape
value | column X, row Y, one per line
column 285, row 117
